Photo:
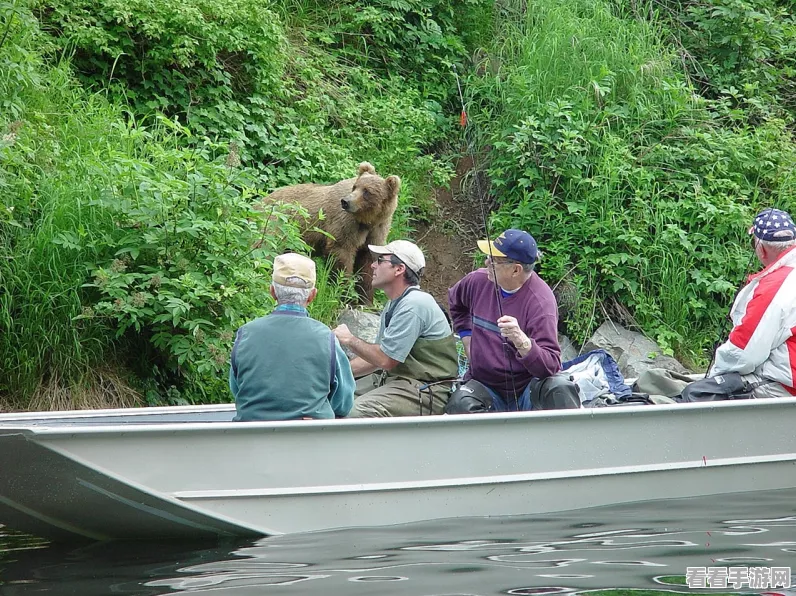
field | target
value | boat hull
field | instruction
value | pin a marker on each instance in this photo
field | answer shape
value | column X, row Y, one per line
column 220, row 477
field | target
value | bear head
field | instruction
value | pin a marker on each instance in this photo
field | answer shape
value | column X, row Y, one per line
column 373, row 198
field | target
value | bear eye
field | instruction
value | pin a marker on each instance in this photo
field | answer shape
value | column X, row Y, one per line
column 365, row 193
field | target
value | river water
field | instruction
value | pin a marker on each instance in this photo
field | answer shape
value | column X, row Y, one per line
column 639, row 546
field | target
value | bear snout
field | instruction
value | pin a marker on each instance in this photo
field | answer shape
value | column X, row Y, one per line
column 345, row 204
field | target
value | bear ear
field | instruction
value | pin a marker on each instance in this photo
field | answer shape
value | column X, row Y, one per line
column 365, row 167
column 393, row 185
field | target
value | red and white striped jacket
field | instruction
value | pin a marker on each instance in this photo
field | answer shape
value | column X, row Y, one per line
column 763, row 339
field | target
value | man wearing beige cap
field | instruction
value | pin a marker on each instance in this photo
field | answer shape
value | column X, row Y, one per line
column 286, row 365
column 415, row 351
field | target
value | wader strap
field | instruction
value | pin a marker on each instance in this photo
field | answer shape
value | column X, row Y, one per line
column 394, row 304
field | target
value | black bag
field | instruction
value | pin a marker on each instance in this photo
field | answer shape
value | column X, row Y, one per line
column 471, row 397
column 718, row 388
column 558, row 392
column 634, row 399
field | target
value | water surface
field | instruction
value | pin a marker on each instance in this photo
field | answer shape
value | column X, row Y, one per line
column 638, row 546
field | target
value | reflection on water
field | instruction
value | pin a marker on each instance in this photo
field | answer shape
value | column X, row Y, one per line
column 642, row 546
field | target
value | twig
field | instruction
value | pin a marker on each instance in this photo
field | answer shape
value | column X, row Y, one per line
column 13, row 12
column 591, row 319
column 563, row 277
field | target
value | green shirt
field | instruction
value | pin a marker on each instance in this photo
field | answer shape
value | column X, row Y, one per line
column 288, row 366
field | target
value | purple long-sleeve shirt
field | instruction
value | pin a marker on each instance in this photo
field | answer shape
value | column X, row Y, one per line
column 474, row 306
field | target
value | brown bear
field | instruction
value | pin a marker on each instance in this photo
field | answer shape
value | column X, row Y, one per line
column 357, row 212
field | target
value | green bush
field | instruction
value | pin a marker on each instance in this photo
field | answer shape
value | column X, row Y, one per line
column 49, row 131
column 417, row 39
column 170, row 55
column 639, row 191
column 187, row 259
column 742, row 50
column 122, row 245
column 233, row 72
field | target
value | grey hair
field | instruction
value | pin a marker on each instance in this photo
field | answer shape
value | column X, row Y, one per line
column 776, row 248
column 526, row 267
column 291, row 295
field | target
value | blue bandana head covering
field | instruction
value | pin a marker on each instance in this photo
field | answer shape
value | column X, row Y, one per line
column 773, row 225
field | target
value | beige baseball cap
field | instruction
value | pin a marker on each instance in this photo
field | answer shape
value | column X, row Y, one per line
column 294, row 270
column 407, row 251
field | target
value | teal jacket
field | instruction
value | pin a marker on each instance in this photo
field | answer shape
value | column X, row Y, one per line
column 288, row 366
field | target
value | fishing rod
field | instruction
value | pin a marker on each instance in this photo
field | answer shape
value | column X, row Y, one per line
column 464, row 122
column 723, row 330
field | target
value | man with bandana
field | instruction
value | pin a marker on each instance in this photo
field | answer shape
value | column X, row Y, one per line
column 762, row 344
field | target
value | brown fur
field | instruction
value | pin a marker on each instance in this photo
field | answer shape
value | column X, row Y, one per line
column 357, row 212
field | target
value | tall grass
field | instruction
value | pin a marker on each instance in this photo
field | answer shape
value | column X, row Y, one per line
column 56, row 131
column 639, row 189
column 334, row 289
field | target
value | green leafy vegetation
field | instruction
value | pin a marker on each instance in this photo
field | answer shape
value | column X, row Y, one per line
column 634, row 140
column 137, row 140
column 639, row 188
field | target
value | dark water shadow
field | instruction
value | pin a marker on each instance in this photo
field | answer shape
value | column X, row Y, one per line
column 642, row 546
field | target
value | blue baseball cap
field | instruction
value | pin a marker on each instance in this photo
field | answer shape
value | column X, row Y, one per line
column 512, row 244
column 773, row 225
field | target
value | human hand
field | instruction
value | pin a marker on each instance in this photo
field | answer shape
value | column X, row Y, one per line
column 510, row 329
column 343, row 334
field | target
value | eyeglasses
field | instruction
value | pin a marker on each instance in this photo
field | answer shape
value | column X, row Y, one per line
column 383, row 258
column 500, row 261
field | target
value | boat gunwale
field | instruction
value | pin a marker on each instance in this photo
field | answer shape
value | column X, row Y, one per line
column 134, row 411
column 41, row 429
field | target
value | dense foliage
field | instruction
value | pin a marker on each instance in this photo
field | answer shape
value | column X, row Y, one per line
column 234, row 70
column 640, row 189
column 634, row 139
column 110, row 227
column 137, row 138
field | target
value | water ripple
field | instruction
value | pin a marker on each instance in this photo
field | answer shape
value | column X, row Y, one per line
column 643, row 546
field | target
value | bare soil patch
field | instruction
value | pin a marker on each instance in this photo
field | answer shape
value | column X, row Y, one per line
column 449, row 240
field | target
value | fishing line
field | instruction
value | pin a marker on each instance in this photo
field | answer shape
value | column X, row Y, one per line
column 464, row 122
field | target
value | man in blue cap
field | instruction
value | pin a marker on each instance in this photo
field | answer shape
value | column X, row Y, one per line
column 507, row 318
column 762, row 344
